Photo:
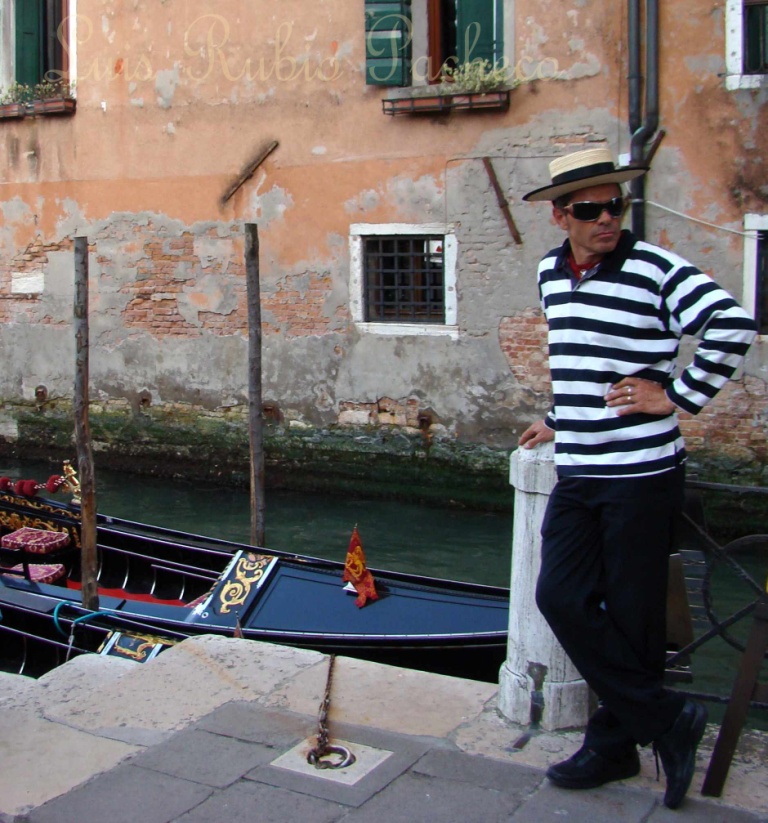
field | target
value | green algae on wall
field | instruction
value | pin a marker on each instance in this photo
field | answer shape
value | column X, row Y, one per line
column 369, row 462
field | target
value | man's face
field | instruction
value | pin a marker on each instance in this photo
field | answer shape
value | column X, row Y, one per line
column 591, row 240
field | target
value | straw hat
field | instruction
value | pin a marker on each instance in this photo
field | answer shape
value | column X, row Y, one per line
column 581, row 169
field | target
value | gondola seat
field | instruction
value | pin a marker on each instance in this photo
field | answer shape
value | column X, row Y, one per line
column 38, row 572
column 29, row 546
column 35, row 541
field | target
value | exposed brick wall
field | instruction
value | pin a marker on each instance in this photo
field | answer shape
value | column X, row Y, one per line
column 298, row 310
column 523, row 339
column 735, row 422
column 294, row 307
column 168, row 266
column 163, row 268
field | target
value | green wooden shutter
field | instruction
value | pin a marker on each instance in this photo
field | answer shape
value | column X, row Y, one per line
column 479, row 30
column 388, row 42
column 29, row 42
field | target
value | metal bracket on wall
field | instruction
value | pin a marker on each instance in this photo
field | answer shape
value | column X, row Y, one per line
column 503, row 204
column 248, row 170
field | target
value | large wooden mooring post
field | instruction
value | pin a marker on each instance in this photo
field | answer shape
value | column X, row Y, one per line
column 538, row 684
column 82, row 431
column 255, row 416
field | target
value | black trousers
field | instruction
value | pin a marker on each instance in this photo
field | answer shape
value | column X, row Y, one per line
column 603, row 589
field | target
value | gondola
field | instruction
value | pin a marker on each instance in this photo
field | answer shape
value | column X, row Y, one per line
column 158, row 586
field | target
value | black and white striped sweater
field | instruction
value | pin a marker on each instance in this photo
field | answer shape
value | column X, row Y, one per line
column 625, row 318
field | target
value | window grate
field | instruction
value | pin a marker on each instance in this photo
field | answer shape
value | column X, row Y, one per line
column 755, row 37
column 761, row 296
column 403, row 279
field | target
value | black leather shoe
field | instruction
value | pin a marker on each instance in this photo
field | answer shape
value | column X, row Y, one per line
column 587, row 769
column 677, row 750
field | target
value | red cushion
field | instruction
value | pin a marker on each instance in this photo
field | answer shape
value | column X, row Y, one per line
column 41, row 572
column 37, row 541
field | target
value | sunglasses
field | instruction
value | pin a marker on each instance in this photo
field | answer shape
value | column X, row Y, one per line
column 588, row 211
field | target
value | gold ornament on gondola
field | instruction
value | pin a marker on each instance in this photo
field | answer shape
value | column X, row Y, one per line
column 248, row 571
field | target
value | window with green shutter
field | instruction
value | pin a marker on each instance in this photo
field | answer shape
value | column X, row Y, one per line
column 29, row 42
column 388, row 42
column 479, row 31
column 40, row 54
column 456, row 32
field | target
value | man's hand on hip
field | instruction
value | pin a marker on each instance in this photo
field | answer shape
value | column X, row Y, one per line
column 634, row 394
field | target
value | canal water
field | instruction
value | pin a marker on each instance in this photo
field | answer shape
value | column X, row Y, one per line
column 440, row 542
column 448, row 543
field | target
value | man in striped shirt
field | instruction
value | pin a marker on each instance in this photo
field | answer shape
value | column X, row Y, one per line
column 617, row 308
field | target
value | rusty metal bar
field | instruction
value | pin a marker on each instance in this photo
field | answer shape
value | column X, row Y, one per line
column 248, row 171
column 256, row 416
column 90, row 592
column 503, row 204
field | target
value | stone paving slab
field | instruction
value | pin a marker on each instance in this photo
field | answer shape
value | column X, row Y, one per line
column 420, row 797
column 127, row 794
column 202, row 757
column 40, row 760
column 258, row 803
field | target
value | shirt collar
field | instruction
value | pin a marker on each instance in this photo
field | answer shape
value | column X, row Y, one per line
column 611, row 262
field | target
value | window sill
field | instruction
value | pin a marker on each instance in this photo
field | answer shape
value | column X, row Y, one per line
column 446, row 103
column 410, row 329
column 733, row 82
column 49, row 106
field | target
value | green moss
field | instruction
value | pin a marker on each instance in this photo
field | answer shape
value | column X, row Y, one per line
column 371, row 462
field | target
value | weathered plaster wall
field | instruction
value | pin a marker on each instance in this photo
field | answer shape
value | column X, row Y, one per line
column 175, row 98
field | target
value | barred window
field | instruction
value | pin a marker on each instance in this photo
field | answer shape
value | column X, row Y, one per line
column 404, row 279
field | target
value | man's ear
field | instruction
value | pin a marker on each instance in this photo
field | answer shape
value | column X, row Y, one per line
column 560, row 218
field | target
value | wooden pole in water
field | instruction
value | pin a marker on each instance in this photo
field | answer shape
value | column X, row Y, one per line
column 90, row 592
column 256, row 417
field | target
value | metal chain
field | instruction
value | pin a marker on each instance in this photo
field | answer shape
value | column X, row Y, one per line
column 323, row 747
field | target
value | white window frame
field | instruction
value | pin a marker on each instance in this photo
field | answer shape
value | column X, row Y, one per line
column 753, row 223
column 734, row 51
column 357, row 231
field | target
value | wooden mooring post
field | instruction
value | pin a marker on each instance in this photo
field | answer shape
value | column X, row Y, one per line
column 90, row 593
column 255, row 411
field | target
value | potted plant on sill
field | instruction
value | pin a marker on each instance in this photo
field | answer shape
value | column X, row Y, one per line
column 476, row 85
column 14, row 100
column 52, row 97
column 47, row 97
column 475, row 79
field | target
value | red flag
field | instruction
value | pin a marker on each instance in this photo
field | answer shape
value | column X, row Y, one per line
column 238, row 632
column 357, row 574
